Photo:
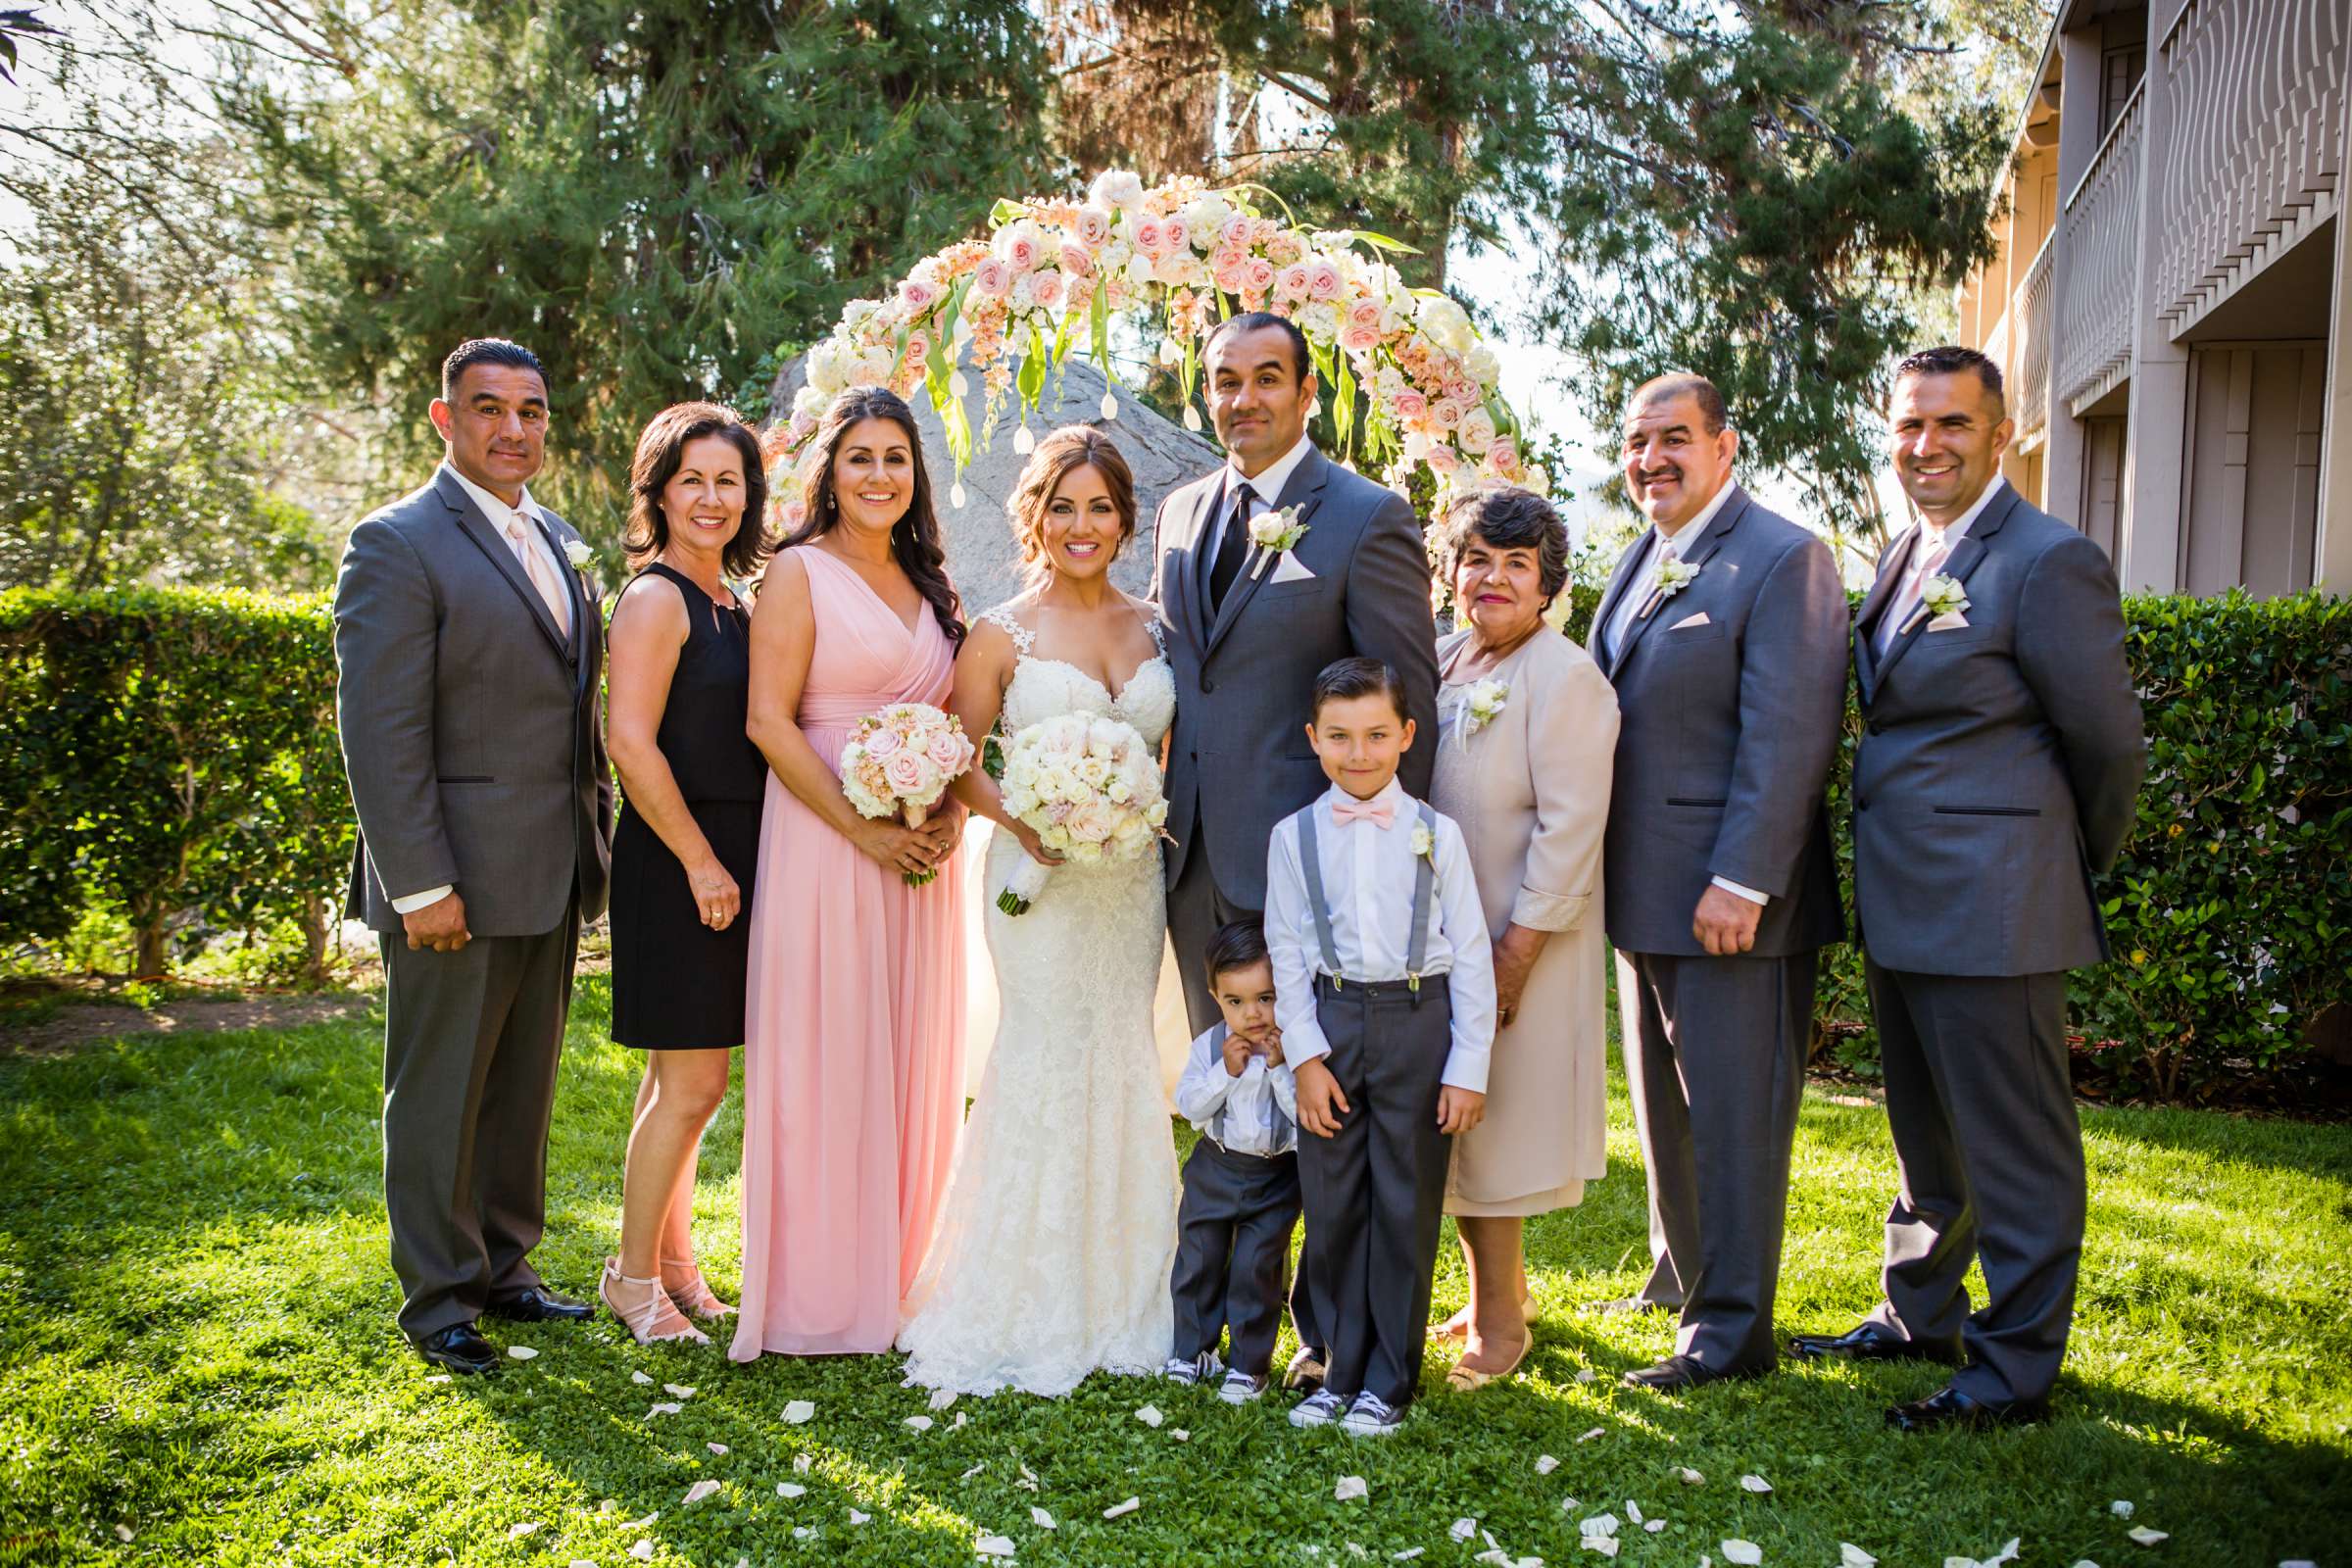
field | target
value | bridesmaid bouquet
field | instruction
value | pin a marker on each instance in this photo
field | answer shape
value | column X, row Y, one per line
column 1090, row 787
column 901, row 761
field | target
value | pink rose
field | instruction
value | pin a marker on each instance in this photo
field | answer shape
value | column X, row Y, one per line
column 992, row 279
column 1094, row 228
column 1045, row 289
column 1151, row 235
column 1365, row 312
column 1231, row 271
column 1286, row 247
column 919, row 347
column 905, row 772
column 949, row 752
column 1293, row 282
column 793, row 513
column 1261, row 274
column 1442, row 460
column 883, row 744
column 1323, row 281
column 1359, row 339
column 1409, row 407
column 1461, row 391
column 1504, row 456
column 1021, row 252
column 1175, row 233
column 1446, row 414
column 1077, row 261
column 1238, row 232
column 917, row 295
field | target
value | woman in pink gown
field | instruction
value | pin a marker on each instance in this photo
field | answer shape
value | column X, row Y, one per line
column 853, row 1058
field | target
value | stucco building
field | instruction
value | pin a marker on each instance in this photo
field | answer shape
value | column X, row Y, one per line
column 2171, row 295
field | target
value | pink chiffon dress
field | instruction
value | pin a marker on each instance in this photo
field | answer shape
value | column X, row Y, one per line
column 853, row 1074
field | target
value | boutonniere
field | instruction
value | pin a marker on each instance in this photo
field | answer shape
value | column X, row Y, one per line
column 1939, row 596
column 1425, row 844
column 1275, row 533
column 579, row 554
column 1486, row 701
column 1674, row 575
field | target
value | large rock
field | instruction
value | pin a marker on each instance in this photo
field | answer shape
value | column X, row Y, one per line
column 982, row 557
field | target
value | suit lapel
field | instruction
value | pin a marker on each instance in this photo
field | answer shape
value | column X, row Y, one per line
column 1705, row 545
column 476, row 527
column 1891, row 565
column 1184, row 556
column 1629, row 567
column 1965, row 558
column 584, row 618
column 1305, row 492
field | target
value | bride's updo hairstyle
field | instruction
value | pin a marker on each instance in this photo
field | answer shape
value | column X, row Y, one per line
column 1072, row 447
column 915, row 541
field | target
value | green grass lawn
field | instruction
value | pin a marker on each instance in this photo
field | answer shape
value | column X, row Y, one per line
column 196, row 1346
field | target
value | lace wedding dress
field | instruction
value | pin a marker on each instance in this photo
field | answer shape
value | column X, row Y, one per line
column 1052, row 1257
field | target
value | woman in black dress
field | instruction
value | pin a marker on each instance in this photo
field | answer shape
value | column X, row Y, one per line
column 688, row 844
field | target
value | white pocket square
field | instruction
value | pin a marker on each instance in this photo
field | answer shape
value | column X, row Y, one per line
column 1949, row 620
column 1288, row 569
column 1699, row 620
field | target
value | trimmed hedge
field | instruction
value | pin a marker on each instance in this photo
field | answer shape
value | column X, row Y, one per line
column 171, row 756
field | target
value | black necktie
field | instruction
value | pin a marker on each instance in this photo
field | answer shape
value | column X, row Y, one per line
column 1232, row 550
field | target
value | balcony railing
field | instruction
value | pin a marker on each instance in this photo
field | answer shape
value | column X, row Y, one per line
column 2029, row 370
column 2252, row 154
column 2099, row 252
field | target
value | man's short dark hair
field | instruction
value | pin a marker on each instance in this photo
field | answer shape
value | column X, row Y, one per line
column 1950, row 359
column 485, row 351
column 1235, row 947
column 1257, row 320
column 1684, row 383
column 1343, row 679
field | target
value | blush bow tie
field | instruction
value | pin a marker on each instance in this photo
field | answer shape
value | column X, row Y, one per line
column 1346, row 809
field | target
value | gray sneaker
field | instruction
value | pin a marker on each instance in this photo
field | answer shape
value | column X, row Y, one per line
column 1241, row 1387
column 1371, row 1416
column 1318, row 1409
column 1190, row 1373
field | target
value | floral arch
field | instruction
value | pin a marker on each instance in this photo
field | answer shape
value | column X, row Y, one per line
column 1181, row 256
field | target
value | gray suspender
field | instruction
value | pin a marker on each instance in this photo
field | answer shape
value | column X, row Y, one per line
column 1278, row 1125
column 1425, row 882
column 1217, row 1036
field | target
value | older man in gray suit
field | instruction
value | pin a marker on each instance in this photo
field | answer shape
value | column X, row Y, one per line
column 1999, row 770
column 468, row 648
column 1724, row 632
column 1249, row 629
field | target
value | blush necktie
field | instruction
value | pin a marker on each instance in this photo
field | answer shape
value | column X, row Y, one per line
column 542, row 575
column 1916, row 582
column 1379, row 813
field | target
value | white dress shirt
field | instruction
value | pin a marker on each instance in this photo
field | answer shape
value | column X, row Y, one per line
column 1249, row 1102
column 1368, row 876
column 1927, row 542
column 1662, row 544
column 503, row 519
column 1268, row 485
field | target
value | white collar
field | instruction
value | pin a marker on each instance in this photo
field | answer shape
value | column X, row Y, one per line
column 1687, row 534
column 1272, row 479
column 497, row 511
column 1951, row 534
column 1394, row 794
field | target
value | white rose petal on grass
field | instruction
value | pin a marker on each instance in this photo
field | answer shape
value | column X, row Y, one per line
column 1463, row 1529
column 1600, row 1523
column 582, row 1562
column 609, row 1506
column 791, row 1489
column 439, row 1377
column 718, row 1448
column 664, row 1407
column 678, row 1390
column 801, row 1464
column 1042, row 1519
column 1407, row 1554
column 917, row 1423
column 2008, row 1553
column 973, row 1471
column 799, row 1412
column 1150, row 1415
column 123, row 1534
column 959, row 1426
column 527, row 1528
column 1654, row 1525
column 1688, row 1476
column 645, row 1523
column 1633, row 1510
column 804, row 1532
column 1590, row 1435
column 1850, row 1555
column 643, row 1551
column 1180, row 1435
column 522, row 1353
column 1120, row 1509
column 1349, row 1489
column 1606, row 1545
column 639, row 1379
column 2146, row 1537
column 1545, row 1465
column 1745, row 1553
column 1754, row 1484
column 701, row 1489
column 993, row 1546
column 941, row 1398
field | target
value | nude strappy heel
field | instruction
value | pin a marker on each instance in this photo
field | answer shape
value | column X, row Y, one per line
column 693, row 1296
column 652, row 1317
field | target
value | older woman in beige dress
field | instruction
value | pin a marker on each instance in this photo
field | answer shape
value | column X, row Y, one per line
column 1528, row 725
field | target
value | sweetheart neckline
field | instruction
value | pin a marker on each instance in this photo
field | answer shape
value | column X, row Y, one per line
column 1095, row 681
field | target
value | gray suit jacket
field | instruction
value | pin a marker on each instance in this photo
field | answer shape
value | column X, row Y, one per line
column 1240, row 757
column 469, row 724
column 2000, row 762
column 1727, row 729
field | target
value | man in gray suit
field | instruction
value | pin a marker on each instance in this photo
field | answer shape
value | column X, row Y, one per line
column 1998, row 771
column 468, row 648
column 1724, row 632
column 1249, row 631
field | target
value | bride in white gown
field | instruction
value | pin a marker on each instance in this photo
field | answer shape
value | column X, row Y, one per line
column 1052, row 1256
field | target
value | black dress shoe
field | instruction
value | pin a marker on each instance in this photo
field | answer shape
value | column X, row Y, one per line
column 536, row 1303
column 1678, row 1372
column 1871, row 1342
column 459, row 1349
column 1950, row 1407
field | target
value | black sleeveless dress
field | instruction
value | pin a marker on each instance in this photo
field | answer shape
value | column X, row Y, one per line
column 678, row 985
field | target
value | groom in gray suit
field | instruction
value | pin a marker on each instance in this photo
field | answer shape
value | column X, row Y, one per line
column 1724, row 632
column 1249, row 631
column 469, row 646
column 1998, row 771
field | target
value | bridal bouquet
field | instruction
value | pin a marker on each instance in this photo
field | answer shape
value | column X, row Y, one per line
column 1089, row 787
column 901, row 761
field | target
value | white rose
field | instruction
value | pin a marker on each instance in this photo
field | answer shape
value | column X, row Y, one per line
column 857, row 313
column 809, row 400
column 1483, row 364
column 1116, row 187
column 1139, row 269
column 876, row 365
column 1207, row 214
column 824, row 369
column 1446, row 323
column 1477, row 431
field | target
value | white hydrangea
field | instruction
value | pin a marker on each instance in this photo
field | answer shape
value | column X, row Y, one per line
column 1446, row 323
